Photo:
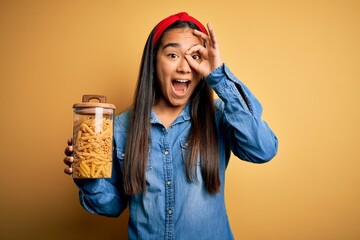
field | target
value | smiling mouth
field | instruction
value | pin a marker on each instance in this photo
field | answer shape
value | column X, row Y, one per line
column 180, row 85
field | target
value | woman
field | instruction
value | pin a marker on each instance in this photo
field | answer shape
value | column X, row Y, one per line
column 173, row 146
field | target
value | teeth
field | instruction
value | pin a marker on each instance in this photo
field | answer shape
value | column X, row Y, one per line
column 181, row 80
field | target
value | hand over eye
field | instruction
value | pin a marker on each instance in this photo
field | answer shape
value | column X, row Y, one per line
column 205, row 59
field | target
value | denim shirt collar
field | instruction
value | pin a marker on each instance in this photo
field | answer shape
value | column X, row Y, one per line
column 184, row 116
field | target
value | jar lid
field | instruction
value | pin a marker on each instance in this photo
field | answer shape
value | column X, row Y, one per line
column 87, row 104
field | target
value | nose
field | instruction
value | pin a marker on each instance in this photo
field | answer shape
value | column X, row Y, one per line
column 183, row 66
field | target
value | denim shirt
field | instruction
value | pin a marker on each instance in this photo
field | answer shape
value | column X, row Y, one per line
column 173, row 207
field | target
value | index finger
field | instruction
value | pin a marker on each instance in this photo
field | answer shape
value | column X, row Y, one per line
column 202, row 35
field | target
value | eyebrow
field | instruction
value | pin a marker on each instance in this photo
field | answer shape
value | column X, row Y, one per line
column 175, row 45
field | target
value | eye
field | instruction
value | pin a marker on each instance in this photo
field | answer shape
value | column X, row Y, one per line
column 196, row 57
column 172, row 55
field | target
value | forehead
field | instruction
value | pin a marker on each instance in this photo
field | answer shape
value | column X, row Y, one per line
column 180, row 36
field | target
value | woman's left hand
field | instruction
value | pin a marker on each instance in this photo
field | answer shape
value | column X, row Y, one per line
column 210, row 53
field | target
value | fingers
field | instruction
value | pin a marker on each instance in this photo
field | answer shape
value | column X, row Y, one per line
column 69, row 150
column 214, row 41
column 210, row 40
column 209, row 52
column 68, row 170
column 197, row 48
column 201, row 35
column 68, row 160
column 192, row 62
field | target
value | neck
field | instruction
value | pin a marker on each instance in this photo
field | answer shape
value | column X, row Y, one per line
column 167, row 114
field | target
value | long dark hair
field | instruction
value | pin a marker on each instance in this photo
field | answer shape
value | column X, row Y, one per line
column 202, row 138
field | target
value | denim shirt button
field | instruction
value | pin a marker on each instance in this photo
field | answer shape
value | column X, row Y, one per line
column 166, row 152
column 170, row 212
column 168, row 183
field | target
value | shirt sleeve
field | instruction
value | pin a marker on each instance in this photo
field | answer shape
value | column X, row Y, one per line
column 101, row 196
column 248, row 135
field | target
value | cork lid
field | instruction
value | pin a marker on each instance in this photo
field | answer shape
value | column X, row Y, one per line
column 88, row 103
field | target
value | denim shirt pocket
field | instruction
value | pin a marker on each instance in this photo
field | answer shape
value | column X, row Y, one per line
column 184, row 150
column 120, row 153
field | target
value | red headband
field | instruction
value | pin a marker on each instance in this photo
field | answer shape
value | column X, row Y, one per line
column 182, row 16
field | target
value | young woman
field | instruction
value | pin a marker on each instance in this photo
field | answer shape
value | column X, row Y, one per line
column 173, row 146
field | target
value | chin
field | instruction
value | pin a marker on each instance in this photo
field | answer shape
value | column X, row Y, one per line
column 177, row 103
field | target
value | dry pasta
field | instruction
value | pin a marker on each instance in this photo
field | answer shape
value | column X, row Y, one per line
column 92, row 148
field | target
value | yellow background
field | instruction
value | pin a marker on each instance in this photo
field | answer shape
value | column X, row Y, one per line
column 300, row 58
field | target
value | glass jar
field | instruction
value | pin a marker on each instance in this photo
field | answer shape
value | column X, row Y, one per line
column 93, row 137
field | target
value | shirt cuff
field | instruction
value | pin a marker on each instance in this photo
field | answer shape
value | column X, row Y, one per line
column 215, row 76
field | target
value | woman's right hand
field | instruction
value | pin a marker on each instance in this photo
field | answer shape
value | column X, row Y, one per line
column 68, row 160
